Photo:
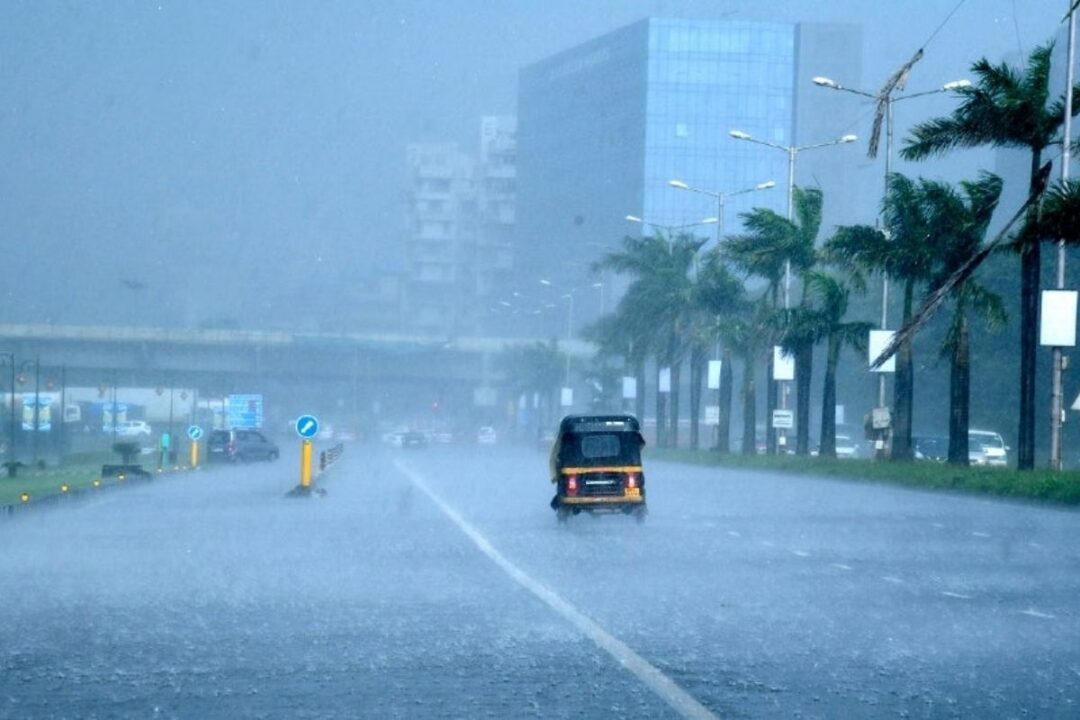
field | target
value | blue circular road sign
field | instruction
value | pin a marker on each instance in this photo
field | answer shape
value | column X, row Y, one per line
column 194, row 432
column 307, row 426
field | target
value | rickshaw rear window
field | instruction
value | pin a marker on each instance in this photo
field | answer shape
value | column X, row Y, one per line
column 594, row 447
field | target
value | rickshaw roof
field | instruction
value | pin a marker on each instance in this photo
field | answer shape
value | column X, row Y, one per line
column 599, row 423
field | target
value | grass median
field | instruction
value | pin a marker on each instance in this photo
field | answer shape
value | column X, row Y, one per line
column 77, row 472
column 1062, row 488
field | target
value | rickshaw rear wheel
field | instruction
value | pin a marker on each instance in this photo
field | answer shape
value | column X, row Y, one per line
column 562, row 514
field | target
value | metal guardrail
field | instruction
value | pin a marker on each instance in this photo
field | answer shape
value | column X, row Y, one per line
column 331, row 456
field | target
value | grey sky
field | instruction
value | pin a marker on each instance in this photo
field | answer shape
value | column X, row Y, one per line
column 242, row 158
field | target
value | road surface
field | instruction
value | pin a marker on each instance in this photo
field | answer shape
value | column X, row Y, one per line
column 436, row 583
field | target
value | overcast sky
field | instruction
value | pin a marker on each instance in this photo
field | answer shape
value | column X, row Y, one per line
column 251, row 154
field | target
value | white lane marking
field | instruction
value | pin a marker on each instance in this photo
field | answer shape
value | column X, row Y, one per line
column 800, row 553
column 976, row 533
column 680, row 700
column 958, row 596
column 938, row 525
column 1035, row 545
column 892, row 579
column 733, row 533
column 1032, row 612
column 768, row 543
column 842, row 566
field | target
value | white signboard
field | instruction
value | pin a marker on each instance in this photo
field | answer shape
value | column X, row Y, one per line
column 783, row 419
column 629, row 388
column 714, row 374
column 1058, row 318
column 665, row 380
column 566, row 398
column 840, row 415
column 879, row 340
column 712, row 415
column 783, row 365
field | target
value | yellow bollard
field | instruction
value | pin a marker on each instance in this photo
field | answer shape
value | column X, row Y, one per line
column 305, row 464
column 194, row 454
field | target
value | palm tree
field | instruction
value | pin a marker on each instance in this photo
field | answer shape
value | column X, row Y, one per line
column 535, row 368
column 960, row 220
column 659, row 297
column 1007, row 107
column 903, row 252
column 719, row 298
column 770, row 242
column 831, row 296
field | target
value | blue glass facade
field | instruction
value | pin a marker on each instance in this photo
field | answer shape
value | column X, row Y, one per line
column 704, row 79
column 604, row 126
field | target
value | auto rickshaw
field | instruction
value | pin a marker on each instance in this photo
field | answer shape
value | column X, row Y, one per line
column 596, row 466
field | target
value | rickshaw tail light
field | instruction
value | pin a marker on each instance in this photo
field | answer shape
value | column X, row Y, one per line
column 571, row 485
column 631, row 480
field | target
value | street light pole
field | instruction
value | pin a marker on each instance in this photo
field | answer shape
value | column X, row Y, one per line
column 792, row 152
column 889, row 100
column 1057, row 404
column 10, row 358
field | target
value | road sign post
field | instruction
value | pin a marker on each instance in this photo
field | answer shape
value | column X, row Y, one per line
column 194, row 433
column 307, row 427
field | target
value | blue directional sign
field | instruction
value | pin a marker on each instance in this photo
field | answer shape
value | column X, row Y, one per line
column 194, row 432
column 244, row 411
column 307, row 426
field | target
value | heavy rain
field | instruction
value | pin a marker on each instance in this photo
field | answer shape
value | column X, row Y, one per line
column 636, row 359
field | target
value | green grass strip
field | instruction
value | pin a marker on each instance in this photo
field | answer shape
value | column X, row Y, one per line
column 1055, row 487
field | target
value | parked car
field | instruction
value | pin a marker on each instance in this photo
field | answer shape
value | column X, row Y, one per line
column 413, row 440
column 847, row 447
column 486, row 436
column 133, row 429
column 986, row 447
column 931, row 447
column 239, row 446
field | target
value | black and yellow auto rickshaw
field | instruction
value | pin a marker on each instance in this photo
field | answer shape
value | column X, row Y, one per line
column 596, row 466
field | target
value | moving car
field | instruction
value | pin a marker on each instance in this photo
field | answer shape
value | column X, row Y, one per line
column 986, row 447
column 413, row 440
column 239, row 446
column 846, row 447
column 596, row 466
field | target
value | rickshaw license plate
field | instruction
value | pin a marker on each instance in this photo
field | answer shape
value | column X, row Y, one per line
column 633, row 492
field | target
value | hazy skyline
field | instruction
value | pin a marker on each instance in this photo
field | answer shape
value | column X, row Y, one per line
column 201, row 148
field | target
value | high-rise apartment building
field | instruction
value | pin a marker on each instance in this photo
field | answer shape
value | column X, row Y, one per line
column 604, row 126
column 460, row 212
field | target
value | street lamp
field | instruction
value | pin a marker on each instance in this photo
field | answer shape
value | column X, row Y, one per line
column 671, row 229
column 889, row 99
column 792, row 152
column 721, row 197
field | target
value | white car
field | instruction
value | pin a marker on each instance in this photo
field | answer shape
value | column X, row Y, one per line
column 986, row 447
column 133, row 429
column 486, row 436
column 846, row 447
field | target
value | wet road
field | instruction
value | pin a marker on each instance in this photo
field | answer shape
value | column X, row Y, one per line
column 436, row 583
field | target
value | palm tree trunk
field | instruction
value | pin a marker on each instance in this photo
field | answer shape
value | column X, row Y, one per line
column 639, row 401
column 661, row 410
column 676, row 377
column 959, row 391
column 749, row 439
column 804, row 368
column 904, row 387
column 697, row 364
column 1030, row 265
column 828, row 400
column 723, row 427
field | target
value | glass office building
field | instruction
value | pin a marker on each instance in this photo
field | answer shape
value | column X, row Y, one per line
column 604, row 126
